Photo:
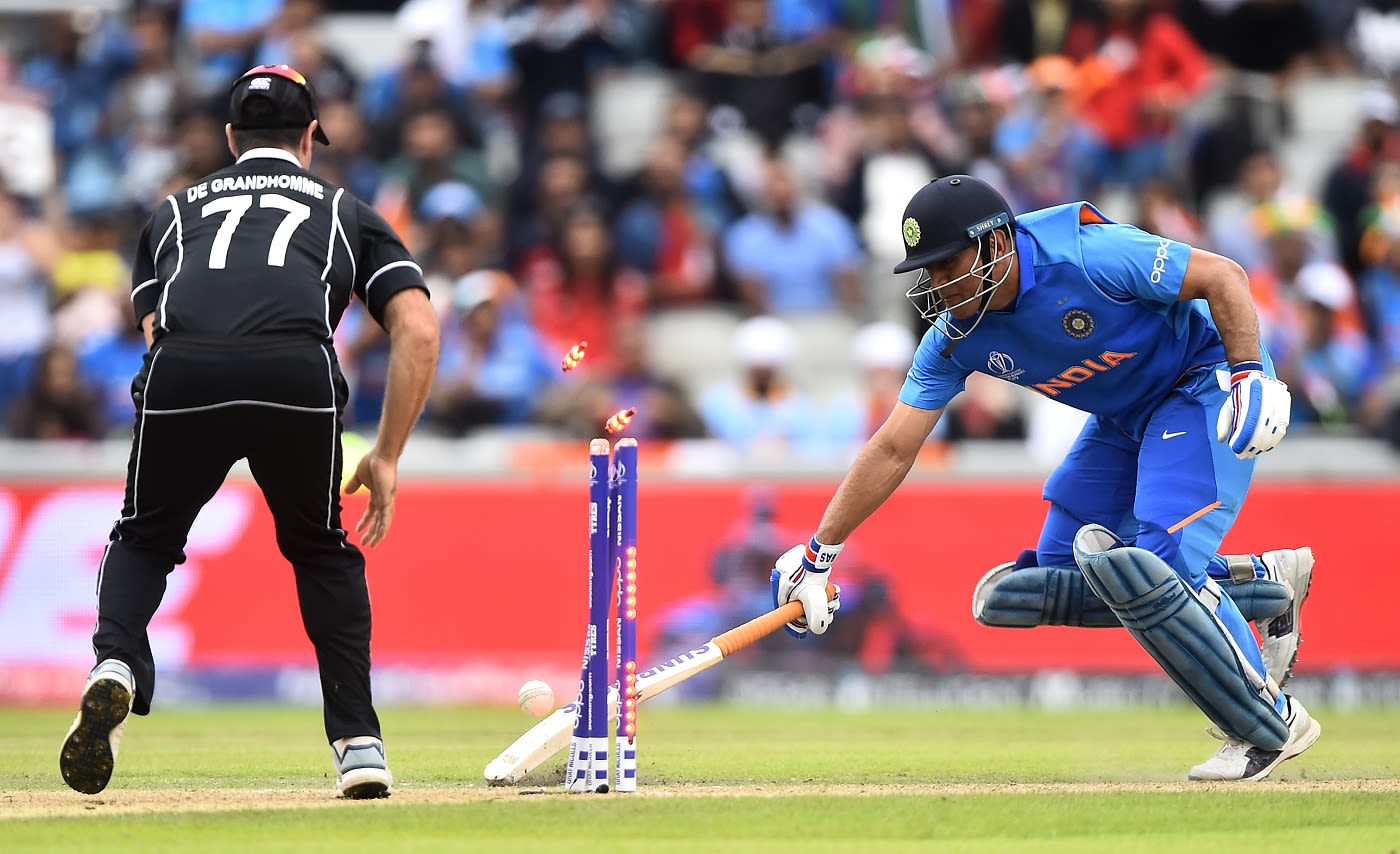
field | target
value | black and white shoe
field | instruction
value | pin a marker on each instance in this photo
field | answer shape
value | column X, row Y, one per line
column 362, row 770
column 1282, row 634
column 1239, row 760
column 90, row 749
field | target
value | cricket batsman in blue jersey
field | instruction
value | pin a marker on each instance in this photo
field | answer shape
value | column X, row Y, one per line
column 1159, row 343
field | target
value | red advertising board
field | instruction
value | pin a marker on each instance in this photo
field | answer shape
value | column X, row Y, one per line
column 494, row 572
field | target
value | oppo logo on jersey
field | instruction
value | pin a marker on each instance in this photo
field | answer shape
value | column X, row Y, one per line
column 1159, row 262
column 1076, row 374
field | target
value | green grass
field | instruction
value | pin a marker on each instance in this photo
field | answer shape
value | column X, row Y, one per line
column 760, row 778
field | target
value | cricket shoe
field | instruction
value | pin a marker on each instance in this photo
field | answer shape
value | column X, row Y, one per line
column 362, row 771
column 1239, row 760
column 1283, row 633
column 90, row 749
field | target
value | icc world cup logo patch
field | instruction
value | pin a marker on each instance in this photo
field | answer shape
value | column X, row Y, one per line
column 911, row 232
column 1078, row 323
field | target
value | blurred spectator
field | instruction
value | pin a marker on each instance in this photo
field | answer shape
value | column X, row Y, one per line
column 393, row 97
column 760, row 412
column 988, row 409
column 563, row 130
column 1043, row 142
column 1234, row 217
column 109, row 364
column 664, row 234
column 1161, row 211
column 755, row 79
column 1309, row 320
column 578, row 288
column 293, row 38
column 559, row 185
column 201, row 142
column 26, row 248
column 433, row 152
column 663, row 409
column 1036, row 28
column 979, row 102
column 494, row 372
column 1334, row 365
column 558, row 45
column 80, row 58
column 883, row 351
column 794, row 255
column 145, row 106
column 1373, row 40
column 706, row 181
column 224, row 34
column 1349, row 182
column 58, row 403
column 91, row 283
column 889, row 161
column 1139, row 69
column 348, row 162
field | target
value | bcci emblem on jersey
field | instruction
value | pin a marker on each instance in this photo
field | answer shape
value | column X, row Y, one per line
column 1078, row 323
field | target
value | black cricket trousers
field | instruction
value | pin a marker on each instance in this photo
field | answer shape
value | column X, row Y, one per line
column 202, row 405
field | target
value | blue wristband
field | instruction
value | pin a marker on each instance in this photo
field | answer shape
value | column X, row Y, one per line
column 1245, row 367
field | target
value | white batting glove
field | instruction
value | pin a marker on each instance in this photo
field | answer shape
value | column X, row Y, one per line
column 801, row 574
column 1255, row 416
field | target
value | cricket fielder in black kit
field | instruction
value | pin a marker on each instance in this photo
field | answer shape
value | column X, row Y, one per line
column 239, row 282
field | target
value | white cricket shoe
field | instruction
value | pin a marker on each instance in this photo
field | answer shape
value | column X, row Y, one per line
column 362, row 770
column 1283, row 633
column 90, row 749
column 1240, row 760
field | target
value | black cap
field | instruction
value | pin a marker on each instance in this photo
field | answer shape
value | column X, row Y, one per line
column 945, row 216
column 291, row 96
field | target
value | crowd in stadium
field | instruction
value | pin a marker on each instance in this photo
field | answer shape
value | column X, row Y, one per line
column 768, row 189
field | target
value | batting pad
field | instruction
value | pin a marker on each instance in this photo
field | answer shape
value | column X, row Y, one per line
column 1183, row 634
column 1039, row 596
column 1059, row 596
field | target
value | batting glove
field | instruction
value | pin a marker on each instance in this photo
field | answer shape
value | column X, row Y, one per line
column 801, row 575
column 1255, row 416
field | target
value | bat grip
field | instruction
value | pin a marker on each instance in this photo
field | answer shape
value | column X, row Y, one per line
column 762, row 626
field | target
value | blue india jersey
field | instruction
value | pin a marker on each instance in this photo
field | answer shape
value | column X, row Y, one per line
column 1096, row 324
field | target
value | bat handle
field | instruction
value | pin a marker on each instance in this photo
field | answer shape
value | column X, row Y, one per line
column 762, row 626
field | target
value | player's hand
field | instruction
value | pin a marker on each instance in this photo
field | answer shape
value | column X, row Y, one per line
column 801, row 575
column 1255, row 416
column 381, row 475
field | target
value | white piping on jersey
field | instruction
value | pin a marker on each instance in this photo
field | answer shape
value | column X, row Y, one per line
column 225, row 403
column 330, row 255
column 179, row 258
column 345, row 239
column 274, row 153
column 386, row 268
column 334, row 485
column 140, row 441
column 136, row 290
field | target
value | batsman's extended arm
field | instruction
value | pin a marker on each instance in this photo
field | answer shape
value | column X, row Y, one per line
column 878, row 470
column 1224, row 286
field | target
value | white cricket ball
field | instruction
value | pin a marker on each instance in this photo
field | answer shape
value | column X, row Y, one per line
column 536, row 698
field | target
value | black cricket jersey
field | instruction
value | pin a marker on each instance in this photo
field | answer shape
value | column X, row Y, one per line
column 264, row 247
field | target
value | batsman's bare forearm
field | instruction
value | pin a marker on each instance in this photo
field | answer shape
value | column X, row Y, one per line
column 877, row 472
column 413, row 353
column 1224, row 286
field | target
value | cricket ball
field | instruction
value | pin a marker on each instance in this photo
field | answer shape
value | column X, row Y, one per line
column 536, row 698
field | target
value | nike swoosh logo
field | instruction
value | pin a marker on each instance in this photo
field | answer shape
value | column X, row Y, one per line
column 1166, row 435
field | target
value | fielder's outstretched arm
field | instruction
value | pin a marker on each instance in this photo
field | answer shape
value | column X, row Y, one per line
column 878, row 470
